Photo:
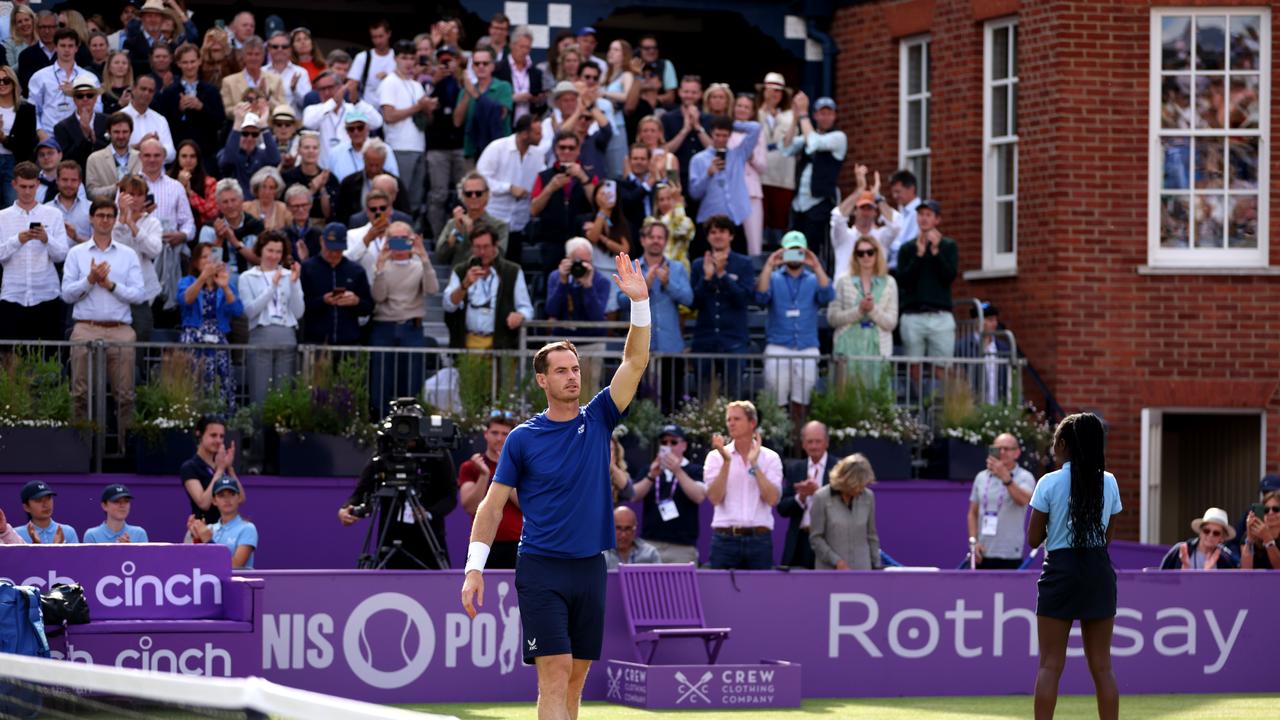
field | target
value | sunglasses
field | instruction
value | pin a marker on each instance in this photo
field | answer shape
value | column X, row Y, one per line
column 85, row 96
column 282, row 123
column 567, row 146
column 670, row 443
column 1271, row 509
column 865, row 253
column 473, row 193
column 378, row 209
column 358, row 127
column 252, row 134
column 5, row 81
column 502, row 414
column 1211, row 532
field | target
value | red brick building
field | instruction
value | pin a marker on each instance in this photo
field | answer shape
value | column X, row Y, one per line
column 1106, row 167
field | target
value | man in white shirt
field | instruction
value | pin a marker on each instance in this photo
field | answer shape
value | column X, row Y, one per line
column 862, row 205
column 371, row 67
column 744, row 483
column 148, row 122
column 173, row 209
column 511, row 165
column 102, row 280
column 364, row 244
column 405, row 109
column 902, row 186
column 347, row 156
column 32, row 239
column 328, row 117
column 294, row 79
column 70, row 200
column 141, row 232
column 50, row 87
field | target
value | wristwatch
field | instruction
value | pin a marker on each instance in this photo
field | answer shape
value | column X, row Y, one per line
column 1270, row 544
column 751, row 471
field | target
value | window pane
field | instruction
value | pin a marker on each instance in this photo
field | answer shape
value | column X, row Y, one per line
column 920, row 168
column 1173, row 221
column 1243, row 231
column 1175, row 42
column 914, row 125
column 1006, row 172
column 1244, row 101
column 1244, row 163
column 1209, row 102
column 1013, row 50
column 1211, row 42
column 1246, row 42
column 1177, row 163
column 1000, row 53
column 1209, row 213
column 914, row 60
column 1013, row 110
column 1209, row 163
column 1004, row 227
column 1000, row 111
column 1175, row 110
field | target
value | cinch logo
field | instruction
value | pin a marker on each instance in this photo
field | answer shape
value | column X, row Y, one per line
column 53, row 578
column 130, row 591
column 192, row 661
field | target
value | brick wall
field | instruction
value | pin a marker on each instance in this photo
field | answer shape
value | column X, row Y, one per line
column 1104, row 337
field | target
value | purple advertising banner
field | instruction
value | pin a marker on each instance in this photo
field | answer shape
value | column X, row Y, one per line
column 212, row 654
column 130, row 581
column 297, row 519
column 690, row 687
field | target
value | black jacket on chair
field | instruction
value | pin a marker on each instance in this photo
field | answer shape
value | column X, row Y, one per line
column 796, row 551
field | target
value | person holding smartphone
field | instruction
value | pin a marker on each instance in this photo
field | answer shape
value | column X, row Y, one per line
column 208, row 303
column 998, row 506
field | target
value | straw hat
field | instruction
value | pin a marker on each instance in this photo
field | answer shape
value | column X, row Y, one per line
column 776, row 80
column 1217, row 516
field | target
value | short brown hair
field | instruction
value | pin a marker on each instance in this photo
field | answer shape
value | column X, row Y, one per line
column 540, row 361
column 26, row 170
column 747, row 407
column 132, row 184
column 269, row 237
column 68, row 165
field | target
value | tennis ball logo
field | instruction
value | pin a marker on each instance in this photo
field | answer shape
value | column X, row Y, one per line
column 368, row 653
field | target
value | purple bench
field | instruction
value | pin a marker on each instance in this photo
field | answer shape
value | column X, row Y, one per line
column 662, row 601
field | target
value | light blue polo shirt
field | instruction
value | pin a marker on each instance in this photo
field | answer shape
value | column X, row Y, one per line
column 1052, row 497
column 236, row 533
column 46, row 534
column 104, row 534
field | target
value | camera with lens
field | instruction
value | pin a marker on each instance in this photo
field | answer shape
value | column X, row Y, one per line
column 578, row 268
column 361, row 511
column 408, row 432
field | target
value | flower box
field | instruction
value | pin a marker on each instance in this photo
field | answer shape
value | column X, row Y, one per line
column 161, row 452
column 955, row 459
column 320, row 455
column 43, row 450
column 889, row 459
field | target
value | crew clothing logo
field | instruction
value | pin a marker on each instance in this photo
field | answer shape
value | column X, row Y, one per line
column 615, row 683
column 692, row 692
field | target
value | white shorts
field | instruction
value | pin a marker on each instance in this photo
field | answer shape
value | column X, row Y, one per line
column 791, row 379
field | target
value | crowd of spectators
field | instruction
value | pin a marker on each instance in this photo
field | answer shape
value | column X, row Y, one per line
column 267, row 192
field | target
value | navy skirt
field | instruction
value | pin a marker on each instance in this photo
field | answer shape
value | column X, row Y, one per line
column 1077, row 584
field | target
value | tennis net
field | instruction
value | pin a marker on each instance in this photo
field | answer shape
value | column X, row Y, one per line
column 42, row 688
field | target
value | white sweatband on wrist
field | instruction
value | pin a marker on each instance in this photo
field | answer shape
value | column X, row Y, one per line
column 640, row 313
column 477, row 556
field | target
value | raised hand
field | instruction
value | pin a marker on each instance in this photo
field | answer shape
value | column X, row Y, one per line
column 756, row 444
column 629, row 279
column 717, row 444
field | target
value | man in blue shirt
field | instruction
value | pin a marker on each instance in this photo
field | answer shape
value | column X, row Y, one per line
column 558, row 461
column 669, row 288
column 116, row 503
column 793, row 287
column 717, row 175
column 231, row 530
column 37, row 500
column 723, row 289
column 577, row 292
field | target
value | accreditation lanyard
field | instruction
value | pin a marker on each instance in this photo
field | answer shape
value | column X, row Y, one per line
column 794, row 289
column 991, row 519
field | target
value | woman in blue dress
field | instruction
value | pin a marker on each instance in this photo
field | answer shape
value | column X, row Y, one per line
column 208, row 303
column 1071, row 512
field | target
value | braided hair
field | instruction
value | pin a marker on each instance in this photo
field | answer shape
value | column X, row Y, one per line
column 1082, row 436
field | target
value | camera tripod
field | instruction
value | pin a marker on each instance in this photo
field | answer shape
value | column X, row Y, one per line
column 388, row 504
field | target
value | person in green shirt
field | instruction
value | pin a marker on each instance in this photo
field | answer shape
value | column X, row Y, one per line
column 498, row 91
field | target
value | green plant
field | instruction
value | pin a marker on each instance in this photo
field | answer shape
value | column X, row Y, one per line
column 643, row 421
column 171, row 398
column 33, row 390
column 702, row 419
column 1024, row 421
column 851, row 408
column 334, row 400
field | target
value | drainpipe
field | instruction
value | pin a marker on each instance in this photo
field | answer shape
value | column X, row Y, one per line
column 815, row 10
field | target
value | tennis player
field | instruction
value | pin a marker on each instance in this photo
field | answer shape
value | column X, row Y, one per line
column 558, row 462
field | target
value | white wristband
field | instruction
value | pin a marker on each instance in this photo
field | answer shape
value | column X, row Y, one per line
column 477, row 556
column 640, row 313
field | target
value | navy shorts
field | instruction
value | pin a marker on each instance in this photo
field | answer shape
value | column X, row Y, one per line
column 1077, row 584
column 561, row 606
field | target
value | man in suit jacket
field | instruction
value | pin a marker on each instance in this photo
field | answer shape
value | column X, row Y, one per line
column 84, row 131
column 199, row 116
column 107, row 166
column 268, row 84
column 351, row 191
column 801, row 479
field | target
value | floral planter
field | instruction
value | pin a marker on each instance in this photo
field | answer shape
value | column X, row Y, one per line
column 891, row 460
column 161, row 452
column 953, row 459
column 319, row 455
column 43, row 450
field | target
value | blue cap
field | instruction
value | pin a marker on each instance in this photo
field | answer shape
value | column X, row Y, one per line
column 824, row 102
column 355, row 115
column 1270, row 483
column 673, row 431
column 226, row 482
column 400, row 242
column 115, row 492
column 334, row 236
column 932, row 205
column 586, row 30
column 36, row 489
column 49, row 142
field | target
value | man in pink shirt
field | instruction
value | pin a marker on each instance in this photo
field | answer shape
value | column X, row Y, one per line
column 744, row 483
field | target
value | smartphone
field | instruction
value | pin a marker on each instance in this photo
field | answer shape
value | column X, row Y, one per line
column 793, row 255
column 611, row 191
column 151, row 199
column 993, row 452
column 720, row 155
column 34, row 226
column 664, row 449
column 1259, row 511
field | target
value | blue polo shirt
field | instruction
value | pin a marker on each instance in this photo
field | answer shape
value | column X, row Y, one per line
column 793, row 305
column 1052, row 497
column 104, row 534
column 236, row 533
column 561, row 470
column 46, row 534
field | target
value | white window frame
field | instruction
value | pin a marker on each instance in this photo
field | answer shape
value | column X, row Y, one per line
column 905, row 97
column 1158, row 256
column 991, row 258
